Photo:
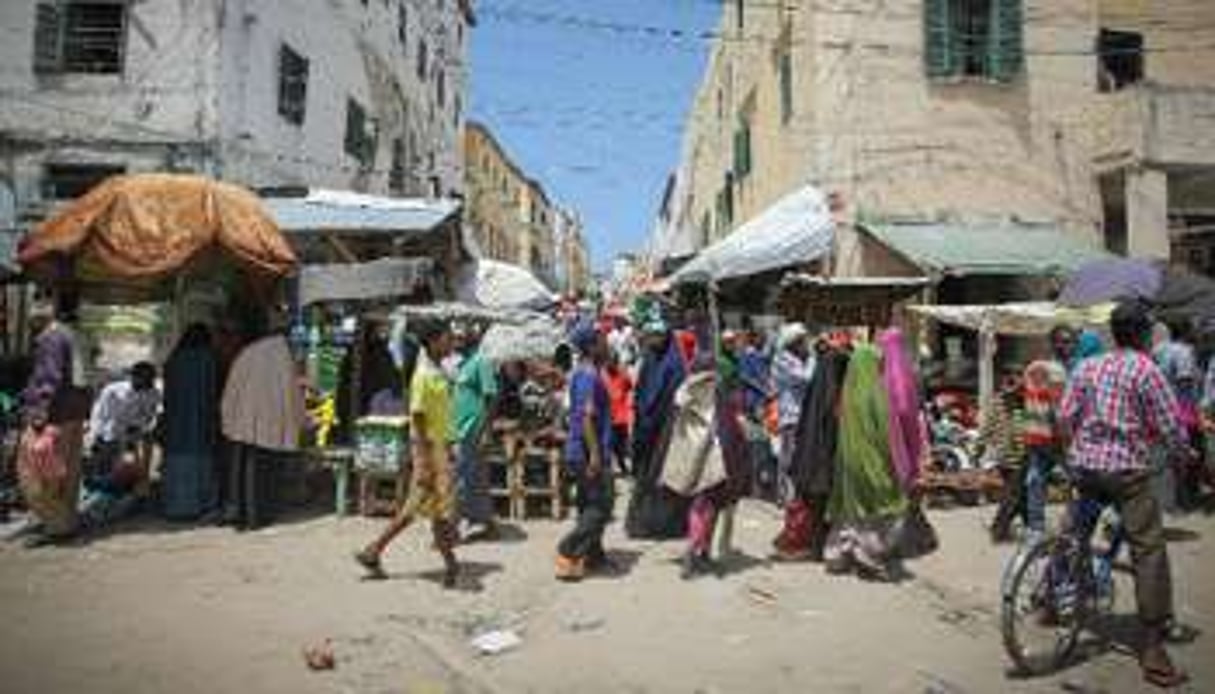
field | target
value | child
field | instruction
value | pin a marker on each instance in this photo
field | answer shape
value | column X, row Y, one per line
column 586, row 450
column 431, row 434
column 620, row 391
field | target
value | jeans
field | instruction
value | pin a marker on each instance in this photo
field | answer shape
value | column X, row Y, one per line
column 1040, row 461
column 472, row 483
column 594, row 504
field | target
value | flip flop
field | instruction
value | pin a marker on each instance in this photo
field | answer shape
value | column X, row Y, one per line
column 1167, row 677
column 371, row 564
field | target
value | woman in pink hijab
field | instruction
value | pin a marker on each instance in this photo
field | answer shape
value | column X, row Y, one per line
column 908, row 434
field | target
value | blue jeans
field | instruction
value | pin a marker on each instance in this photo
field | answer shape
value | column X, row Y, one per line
column 1040, row 461
column 472, row 483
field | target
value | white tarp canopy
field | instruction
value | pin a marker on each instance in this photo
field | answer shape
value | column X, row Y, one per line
column 795, row 230
column 386, row 278
column 536, row 338
column 1018, row 318
column 501, row 285
column 1024, row 319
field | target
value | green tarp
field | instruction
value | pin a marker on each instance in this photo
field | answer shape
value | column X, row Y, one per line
column 961, row 249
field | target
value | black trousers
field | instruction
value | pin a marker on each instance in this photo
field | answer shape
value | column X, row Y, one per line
column 251, row 473
column 620, row 447
column 594, row 503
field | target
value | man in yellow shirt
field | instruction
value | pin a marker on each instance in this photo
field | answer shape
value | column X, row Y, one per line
column 431, row 435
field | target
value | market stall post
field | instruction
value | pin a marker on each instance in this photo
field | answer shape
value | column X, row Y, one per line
column 987, row 366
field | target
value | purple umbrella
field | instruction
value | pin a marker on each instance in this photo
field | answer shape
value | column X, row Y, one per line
column 1111, row 280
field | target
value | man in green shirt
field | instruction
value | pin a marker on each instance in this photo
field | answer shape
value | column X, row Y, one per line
column 476, row 391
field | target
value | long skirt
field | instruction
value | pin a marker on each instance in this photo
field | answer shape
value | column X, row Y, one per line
column 52, row 494
column 189, row 486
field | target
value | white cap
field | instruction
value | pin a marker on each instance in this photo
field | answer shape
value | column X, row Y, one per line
column 792, row 332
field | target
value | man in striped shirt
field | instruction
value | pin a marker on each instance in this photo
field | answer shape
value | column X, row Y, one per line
column 1044, row 381
column 1116, row 407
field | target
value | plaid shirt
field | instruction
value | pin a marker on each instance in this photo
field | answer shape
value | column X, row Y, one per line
column 1115, row 407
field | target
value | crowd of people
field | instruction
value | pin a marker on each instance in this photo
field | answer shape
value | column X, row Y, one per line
column 832, row 427
column 227, row 404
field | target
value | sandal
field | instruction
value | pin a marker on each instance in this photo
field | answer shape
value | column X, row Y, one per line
column 1164, row 675
column 371, row 564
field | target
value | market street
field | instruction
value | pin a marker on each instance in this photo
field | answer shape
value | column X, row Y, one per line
column 157, row 608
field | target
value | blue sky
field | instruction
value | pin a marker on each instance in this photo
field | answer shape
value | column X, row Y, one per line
column 589, row 103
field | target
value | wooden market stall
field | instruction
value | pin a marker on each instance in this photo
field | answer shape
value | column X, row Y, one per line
column 147, row 237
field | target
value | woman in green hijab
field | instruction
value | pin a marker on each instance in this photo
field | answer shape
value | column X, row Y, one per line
column 867, row 505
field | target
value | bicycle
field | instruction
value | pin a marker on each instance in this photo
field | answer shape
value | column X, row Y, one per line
column 1060, row 584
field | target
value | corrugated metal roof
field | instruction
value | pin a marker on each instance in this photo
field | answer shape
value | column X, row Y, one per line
column 987, row 249
column 338, row 211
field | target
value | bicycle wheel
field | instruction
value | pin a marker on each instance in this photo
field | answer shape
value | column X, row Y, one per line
column 1043, row 608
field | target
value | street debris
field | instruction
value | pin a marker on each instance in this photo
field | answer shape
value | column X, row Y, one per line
column 496, row 642
column 761, row 596
column 320, row 657
column 582, row 623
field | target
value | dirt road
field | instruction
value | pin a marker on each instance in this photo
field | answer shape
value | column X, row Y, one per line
column 155, row 608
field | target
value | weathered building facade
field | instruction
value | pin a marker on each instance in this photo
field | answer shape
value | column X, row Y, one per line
column 1092, row 116
column 573, row 255
column 509, row 213
column 349, row 94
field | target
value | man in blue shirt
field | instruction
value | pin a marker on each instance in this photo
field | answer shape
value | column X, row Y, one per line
column 586, row 449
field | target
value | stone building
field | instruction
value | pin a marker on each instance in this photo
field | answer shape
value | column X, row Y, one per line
column 508, row 212
column 1087, row 118
column 573, row 256
column 363, row 95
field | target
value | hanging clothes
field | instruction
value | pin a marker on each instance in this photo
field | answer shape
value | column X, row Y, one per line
column 866, row 503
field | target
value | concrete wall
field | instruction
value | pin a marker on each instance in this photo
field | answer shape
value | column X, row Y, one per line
column 161, row 112
column 199, row 92
column 868, row 123
column 354, row 52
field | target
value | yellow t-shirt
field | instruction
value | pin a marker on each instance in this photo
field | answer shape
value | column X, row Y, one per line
column 430, row 396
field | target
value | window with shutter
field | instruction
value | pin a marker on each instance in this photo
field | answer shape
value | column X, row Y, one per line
column 1005, row 49
column 79, row 37
column 48, row 38
column 786, row 86
column 742, row 150
column 974, row 38
column 359, row 142
column 940, row 53
column 292, row 85
column 396, row 175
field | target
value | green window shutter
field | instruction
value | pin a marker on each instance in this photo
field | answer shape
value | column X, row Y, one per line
column 1005, row 41
column 742, row 150
column 941, row 58
column 786, row 86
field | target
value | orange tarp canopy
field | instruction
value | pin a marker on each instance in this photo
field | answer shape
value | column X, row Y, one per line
column 140, row 229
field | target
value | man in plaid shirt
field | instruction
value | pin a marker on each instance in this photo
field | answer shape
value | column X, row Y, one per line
column 1114, row 408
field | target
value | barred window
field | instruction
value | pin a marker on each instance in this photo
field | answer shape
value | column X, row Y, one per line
column 80, row 37
column 292, row 85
